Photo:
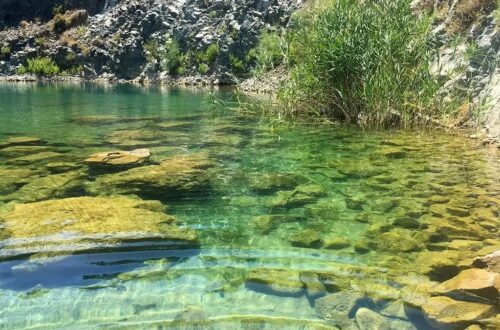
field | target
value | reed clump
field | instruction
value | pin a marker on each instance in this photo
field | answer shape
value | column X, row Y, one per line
column 361, row 61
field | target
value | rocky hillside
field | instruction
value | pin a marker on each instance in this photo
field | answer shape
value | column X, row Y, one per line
column 145, row 40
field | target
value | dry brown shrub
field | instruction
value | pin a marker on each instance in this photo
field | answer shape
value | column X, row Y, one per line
column 67, row 40
column 468, row 12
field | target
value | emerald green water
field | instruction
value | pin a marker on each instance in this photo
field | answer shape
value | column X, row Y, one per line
column 392, row 195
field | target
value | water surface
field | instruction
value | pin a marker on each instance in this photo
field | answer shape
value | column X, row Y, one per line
column 366, row 187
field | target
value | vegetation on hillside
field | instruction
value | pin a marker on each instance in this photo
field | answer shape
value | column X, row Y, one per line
column 363, row 62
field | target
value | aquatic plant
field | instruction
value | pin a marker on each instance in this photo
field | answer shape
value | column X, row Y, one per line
column 365, row 62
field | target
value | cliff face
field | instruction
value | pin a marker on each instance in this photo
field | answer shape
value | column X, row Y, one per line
column 14, row 11
column 150, row 39
column 466, row 36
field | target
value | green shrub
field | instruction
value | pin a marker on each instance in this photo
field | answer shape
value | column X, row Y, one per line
column 203, row 68
column 269, row 53
column 209, row 55
column 5, row 51
column 40, row 66
column 40, row 41
column 172, row 57
column 237, row 64
column 151, row 47
column 364, row 61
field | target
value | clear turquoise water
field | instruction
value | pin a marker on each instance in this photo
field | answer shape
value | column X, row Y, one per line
column 388, row 174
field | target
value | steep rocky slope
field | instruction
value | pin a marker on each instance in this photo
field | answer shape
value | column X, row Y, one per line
column 148, row 40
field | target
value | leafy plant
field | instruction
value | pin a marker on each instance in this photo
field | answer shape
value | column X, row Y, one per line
column 236, row 63
column 40, row 66
column 269, row 52
column 172, row 58
column 203, row 68
column 5, row 51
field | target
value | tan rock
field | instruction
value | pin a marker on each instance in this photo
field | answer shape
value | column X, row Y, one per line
column 279, row 281
column 181, row 174
column 471, row 283
column 490, row 262
column 444, row 312
column 119, row 158
column 82, row 223
column 20, row 141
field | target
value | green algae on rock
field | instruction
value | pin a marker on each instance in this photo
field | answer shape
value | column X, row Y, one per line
column 181, row 174
column 86, row 223
column 50, row 186
column 278, row 281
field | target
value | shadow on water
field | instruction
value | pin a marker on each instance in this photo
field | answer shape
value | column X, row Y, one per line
column 81, row 269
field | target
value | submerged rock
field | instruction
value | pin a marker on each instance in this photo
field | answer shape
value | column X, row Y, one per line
column 341, row 307
column 40, row 157
column 471, row 284
column 110, row 119
column 335, row 242
column 266, row 183
column 444, row 312
column 20, row 141
column 50, row 186
column 302, row 195
column 278, row 281
column 119, row 158
column 12, row 178
column 86, row 223
column 306, row 238
column 182, row 174
column 264, row 224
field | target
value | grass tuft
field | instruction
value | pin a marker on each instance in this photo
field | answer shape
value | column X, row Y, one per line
column 361, row 61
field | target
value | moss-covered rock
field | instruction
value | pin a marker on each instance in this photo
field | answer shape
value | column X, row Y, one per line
column 266, row 183
column 306, row 238
column 444, row 312
column 334, row 242
column 277, row 281
column 179, row 175
column 264, row 224
column 50, row 186
column 86, row 223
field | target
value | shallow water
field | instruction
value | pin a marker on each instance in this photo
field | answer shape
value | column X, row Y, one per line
column 369, row 188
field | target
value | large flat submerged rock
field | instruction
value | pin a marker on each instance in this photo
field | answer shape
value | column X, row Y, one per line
column 86, row 223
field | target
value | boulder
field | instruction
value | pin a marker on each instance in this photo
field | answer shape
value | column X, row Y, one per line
column 366, row 319
column 444, row 312
column 313, row 285
column 267, row 183
column 398, row 240
column 41, row 157
column 335, row 242
column 282, row 282
column 306, row 238
column 179, row 175
column 12, row 178
column 50, row 186
column 119, row 158
column 302, row 195
column 341, row 307
column 88, row 223
column 264, row 224
column 20, row 141
column 490, row 262
column 471, row 284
